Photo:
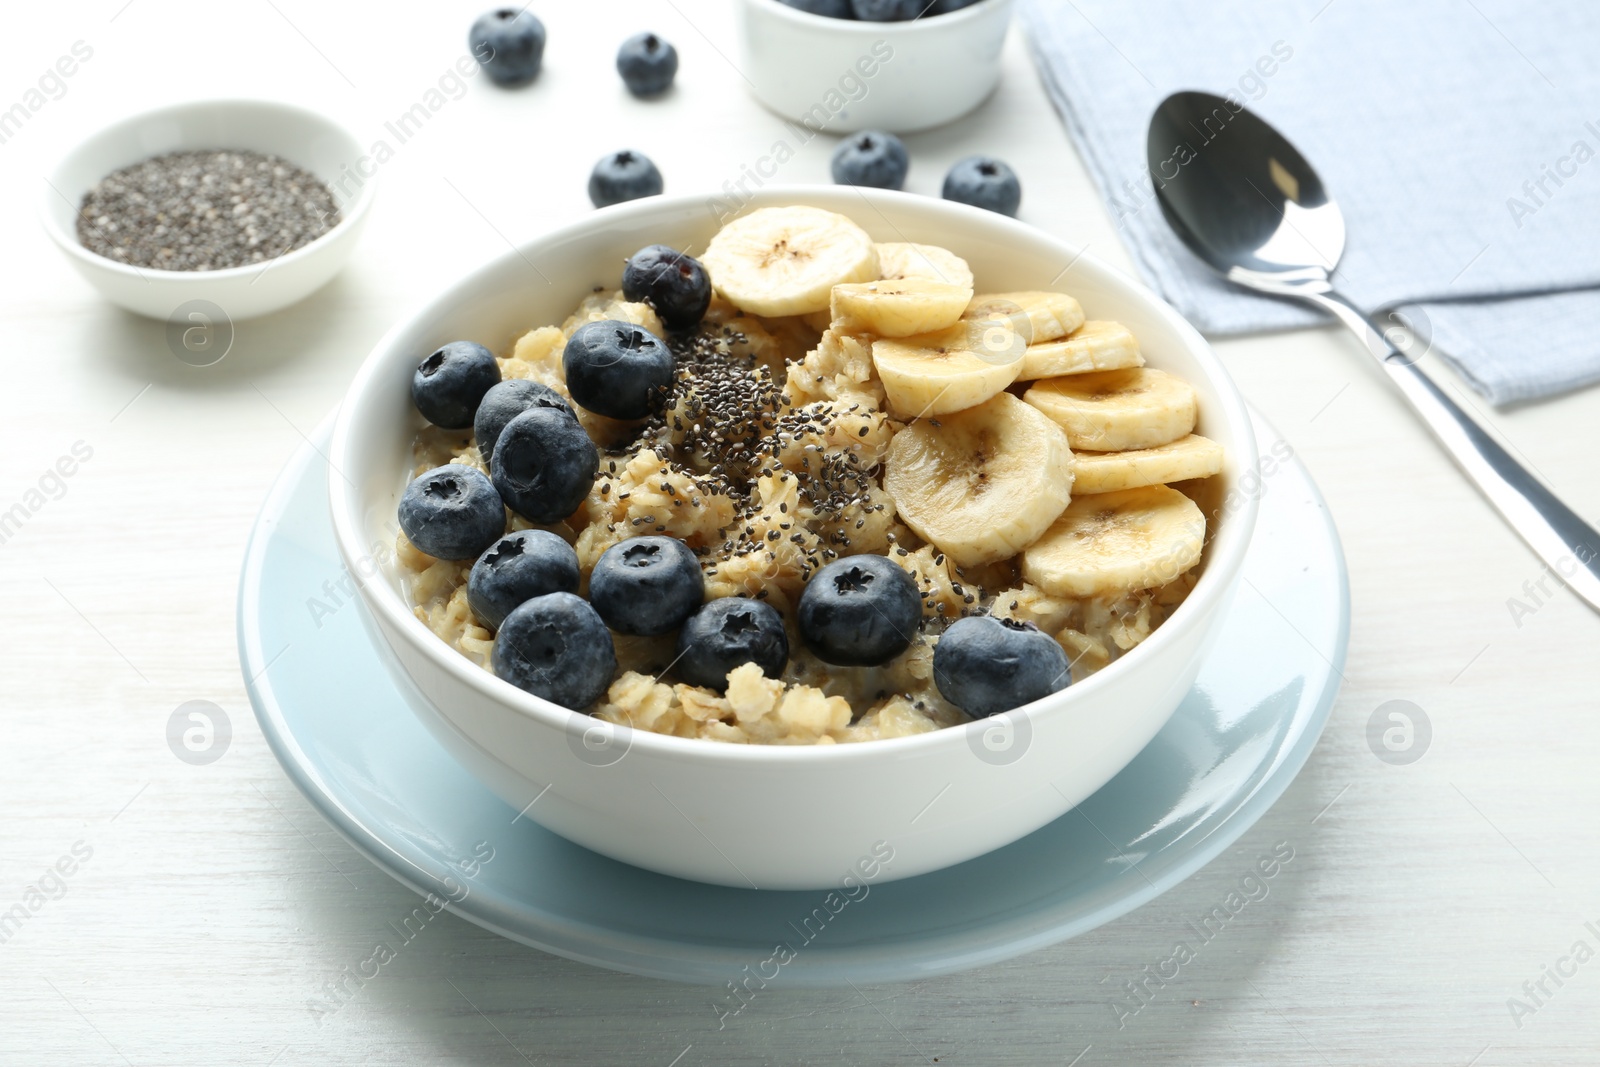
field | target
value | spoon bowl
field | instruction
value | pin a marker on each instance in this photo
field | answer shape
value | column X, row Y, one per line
column 1237, row 192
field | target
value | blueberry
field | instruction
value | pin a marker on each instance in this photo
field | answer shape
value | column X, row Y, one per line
column 509, row 45
column 556, row 647
column 505, row 402
column 617, row 369
column 833, row 9
column 624, row 175
column 729, row 633
column 452, row 512
column 984, row 665
column 872, row 158
column 887, row 10
column 986, row 183
column 544, row 464
column 647, row 64
column 448, row 386
column 860, row 611
column 517, row 568
column 647, row 585
column 946, row 7
column 676, row 285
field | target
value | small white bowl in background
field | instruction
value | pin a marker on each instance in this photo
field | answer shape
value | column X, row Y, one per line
column 777, row 817
column 841, row 76
column 304, row 138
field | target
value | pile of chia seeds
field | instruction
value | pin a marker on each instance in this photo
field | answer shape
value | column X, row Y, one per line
column 206, row 210
column 724, row 427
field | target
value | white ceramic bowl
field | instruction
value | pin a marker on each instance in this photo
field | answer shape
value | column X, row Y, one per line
column 840, row 76
column 776, row 817
column 303, row 137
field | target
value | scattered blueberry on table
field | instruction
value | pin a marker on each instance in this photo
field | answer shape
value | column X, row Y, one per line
column 617, row 369
column 515, row 569
column 448, row 385
column 556, row 647
column 729, row 633
column 622, row 176
column 871, row 158
column 676, row 285
column 985, row 182
column 506, row 401
column 860, row 611
column 452, row 512
column 984, row 665
column 544, row 464
column 509, row 45
column 647, row 585
column 647, row 64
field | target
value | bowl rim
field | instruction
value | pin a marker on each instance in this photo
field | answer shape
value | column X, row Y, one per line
column 857, row 26
column 68, row 242
column 1214, row 586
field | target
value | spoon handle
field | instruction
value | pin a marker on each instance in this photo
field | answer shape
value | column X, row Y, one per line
column 1566, row 543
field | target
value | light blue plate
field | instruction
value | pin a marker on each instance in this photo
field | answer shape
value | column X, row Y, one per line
column 349, row 742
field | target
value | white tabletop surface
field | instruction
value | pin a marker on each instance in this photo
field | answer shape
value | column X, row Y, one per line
column 214, row 904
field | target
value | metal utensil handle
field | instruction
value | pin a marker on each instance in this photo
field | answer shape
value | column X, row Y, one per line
column 1568, row 544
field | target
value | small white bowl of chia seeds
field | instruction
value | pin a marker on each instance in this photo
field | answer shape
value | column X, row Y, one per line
column 245, row 205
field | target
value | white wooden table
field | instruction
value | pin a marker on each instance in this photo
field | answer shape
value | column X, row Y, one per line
column 213, row 904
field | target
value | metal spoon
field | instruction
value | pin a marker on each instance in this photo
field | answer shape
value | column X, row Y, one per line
column 1247, row 203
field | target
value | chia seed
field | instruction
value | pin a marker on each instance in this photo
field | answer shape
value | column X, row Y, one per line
column 210, row 210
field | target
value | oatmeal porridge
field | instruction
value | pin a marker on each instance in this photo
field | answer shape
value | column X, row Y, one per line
column 806, row 490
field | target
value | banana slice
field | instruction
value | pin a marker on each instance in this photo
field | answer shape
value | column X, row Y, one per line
column 1113, row 410
column 1092, row 346
column 786, row 260
column 950, row 370
column 982, row 483
column 899, row 308
column 1114, row 543
column 1176, row 461
column 897, row 260
column 818, row 321
column 1038, row 317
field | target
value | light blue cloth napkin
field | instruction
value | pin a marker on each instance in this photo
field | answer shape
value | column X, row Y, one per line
column 1460, row 137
